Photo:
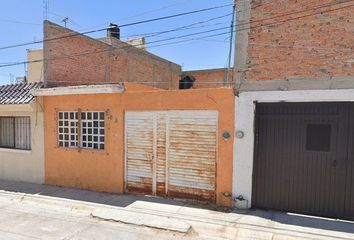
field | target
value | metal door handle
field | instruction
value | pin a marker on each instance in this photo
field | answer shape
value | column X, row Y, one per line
column 334, row 164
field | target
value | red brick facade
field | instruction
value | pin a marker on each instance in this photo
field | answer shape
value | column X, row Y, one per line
column 209, row 78
column 315, row 46
column 80, row 59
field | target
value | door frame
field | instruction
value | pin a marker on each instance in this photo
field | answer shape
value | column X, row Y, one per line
column 245, row 105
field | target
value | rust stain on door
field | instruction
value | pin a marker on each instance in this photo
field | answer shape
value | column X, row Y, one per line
column 177, row 148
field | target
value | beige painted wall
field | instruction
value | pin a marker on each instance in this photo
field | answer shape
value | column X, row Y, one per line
column 35, row 70
column 20, row 165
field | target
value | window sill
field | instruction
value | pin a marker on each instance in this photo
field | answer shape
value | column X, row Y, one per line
column 98, row 151
column 12, row 150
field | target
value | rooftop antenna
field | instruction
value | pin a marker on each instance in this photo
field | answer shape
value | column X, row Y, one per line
column 65, row 21
column 45, row 9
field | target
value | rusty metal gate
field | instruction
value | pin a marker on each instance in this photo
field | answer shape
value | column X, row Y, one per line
column 304, row 158
column 171, row 153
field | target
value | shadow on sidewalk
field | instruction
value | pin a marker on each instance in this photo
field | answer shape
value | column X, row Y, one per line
column 257, row 218
column 118, row 200
column 291, row 221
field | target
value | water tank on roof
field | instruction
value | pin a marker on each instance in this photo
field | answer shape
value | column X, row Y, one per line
column 113, row 31
column 186, row 82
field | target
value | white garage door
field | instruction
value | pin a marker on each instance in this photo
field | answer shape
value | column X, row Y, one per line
column 172, row 153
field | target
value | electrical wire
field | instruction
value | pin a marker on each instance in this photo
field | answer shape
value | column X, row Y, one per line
column 185, row 27
column 137, row 15
column 161, row 18
column 62, row 17
column 297, row 12
column 175, row 15
column 262, row 25
column 20, row 22
column 124, row 25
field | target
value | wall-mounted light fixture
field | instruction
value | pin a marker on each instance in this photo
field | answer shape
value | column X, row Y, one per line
column 240, row 134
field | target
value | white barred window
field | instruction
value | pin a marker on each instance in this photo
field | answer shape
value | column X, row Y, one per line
column 92, row 130
column 92, row 133
column 67, row 129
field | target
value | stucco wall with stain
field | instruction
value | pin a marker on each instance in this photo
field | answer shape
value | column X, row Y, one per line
column 103, row 170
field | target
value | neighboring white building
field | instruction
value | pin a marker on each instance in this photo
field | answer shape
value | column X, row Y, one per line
column 35, row 65
column 21, row 134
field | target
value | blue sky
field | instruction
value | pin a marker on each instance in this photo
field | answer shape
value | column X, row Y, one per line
column 21, row 21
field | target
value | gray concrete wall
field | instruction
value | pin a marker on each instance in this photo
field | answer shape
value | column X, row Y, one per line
column 241, row 44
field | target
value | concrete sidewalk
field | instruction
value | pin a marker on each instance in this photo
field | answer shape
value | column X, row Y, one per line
column 188, row 220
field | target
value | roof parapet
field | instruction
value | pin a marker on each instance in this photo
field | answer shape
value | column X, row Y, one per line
column 83, row 89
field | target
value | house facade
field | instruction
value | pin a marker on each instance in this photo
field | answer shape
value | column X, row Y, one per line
column 166, row 143
column 294, row 82
column 120, row 124
column 115, row 121
column 21, row 134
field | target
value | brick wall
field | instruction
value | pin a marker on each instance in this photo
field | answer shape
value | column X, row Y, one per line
column 80, row 59
column 316, row 46
column 209, row 78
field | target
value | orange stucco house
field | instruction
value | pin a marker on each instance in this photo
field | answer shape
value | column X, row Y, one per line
column 115, row 121
column 168, row 143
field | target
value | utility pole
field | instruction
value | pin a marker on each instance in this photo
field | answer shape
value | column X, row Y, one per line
column 232, row 27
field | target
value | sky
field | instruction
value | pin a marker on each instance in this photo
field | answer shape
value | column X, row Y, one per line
column 22, row 22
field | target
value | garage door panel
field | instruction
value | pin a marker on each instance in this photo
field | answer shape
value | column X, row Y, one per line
column 195, row 128
column 349, row 190
column 139, row 151
column 290, row 173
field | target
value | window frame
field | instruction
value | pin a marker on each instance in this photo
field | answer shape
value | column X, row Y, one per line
column 308, row 144
column 69, row 127
column 16, row 131
column 82, row 130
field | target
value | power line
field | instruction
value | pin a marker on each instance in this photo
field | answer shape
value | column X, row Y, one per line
column 262, row 25
column 124, row 25
column 51, row 39
column 156, row 19
column 20, row 22
column 264, row 19
column 175, row 15
column 270, row 44
column 168, row 39
column 185, row 27
column 297, row 12
column 138, row 14
column 64, row 17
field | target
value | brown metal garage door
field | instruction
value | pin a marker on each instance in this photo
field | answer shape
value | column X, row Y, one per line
column 304, row 158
